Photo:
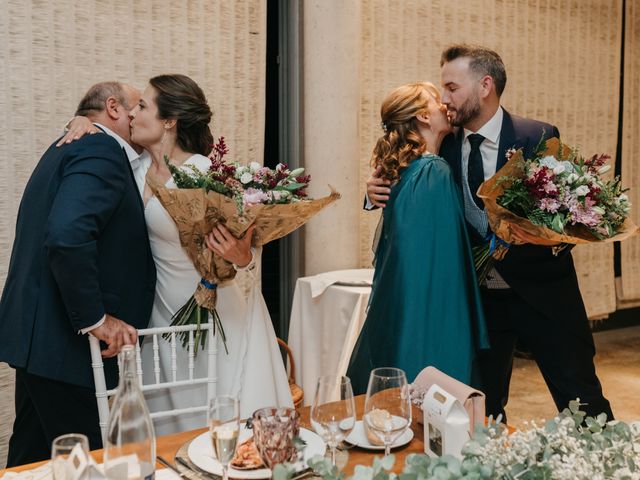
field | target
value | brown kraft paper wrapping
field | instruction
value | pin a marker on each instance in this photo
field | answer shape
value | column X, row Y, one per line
column 195, row 213
column 501, row 219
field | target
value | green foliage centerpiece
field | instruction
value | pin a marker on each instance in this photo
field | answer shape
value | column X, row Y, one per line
column 571, row 446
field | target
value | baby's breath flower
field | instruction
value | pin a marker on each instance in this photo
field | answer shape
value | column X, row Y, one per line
column 563, row 449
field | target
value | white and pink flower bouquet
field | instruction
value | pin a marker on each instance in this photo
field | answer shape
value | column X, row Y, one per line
column 238, row 196
column 250, row 184
column 558, row 196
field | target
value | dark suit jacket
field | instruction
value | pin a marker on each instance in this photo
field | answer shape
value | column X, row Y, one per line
column 81, row 250
column 547, row 282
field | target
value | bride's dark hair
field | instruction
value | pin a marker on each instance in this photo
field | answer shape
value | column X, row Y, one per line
column 402, row 142
column 180, row 98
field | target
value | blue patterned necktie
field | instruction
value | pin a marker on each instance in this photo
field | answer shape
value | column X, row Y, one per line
column 475, row 170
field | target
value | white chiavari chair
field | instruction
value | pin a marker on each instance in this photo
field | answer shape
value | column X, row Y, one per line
column 170, row 378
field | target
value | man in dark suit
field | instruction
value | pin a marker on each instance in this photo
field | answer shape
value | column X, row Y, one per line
column 532, row 295
column 80, row 263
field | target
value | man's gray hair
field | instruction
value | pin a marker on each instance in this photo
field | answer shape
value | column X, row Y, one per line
column 95, row 99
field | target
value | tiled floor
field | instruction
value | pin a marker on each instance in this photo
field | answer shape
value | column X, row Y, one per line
column 618, row 367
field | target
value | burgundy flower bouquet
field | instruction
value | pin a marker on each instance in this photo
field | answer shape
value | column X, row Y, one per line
column 557, row 196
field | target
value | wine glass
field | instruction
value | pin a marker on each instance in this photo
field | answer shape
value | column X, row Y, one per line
column 387, row 408
column 224, row 428
column 333, row 414
column 70, row 457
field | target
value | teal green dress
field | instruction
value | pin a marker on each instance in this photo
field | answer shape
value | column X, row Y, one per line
column 425, row 304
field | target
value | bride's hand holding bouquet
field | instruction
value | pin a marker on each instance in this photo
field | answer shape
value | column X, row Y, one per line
column 251, row 203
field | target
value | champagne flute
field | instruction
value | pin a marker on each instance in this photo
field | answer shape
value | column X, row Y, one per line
column 224, row 428
column 387, row 408
column 333, row 414
column 70, row 457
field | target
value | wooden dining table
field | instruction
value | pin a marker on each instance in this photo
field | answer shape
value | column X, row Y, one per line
column 167, row 446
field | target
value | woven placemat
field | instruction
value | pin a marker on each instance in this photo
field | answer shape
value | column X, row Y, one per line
column 194, row 473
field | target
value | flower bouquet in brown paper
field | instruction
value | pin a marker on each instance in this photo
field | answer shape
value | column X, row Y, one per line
column 237, row 196
column 555, row 198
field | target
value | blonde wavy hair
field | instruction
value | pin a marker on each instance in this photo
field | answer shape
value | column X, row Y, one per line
column 402, row 142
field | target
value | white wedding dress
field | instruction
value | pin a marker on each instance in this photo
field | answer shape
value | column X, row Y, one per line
column 253, row 369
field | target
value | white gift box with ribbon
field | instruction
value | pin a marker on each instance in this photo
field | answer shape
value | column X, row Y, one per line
column 446, row 423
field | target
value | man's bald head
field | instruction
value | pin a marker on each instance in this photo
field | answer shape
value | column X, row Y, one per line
column 109, row 104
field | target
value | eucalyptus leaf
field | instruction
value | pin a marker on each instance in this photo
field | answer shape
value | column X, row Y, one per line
column 282, row 471
column 291, row 187
column 408, row 476
column 602, row 419
column 387, row 462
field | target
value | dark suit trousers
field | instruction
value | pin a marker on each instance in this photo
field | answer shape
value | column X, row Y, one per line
column 45, row 409
column 563, row 350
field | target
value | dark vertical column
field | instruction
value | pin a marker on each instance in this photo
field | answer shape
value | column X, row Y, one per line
column 271, row 273
column 617, row 258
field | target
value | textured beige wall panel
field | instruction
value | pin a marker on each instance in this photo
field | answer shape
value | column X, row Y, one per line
column 563, row 66
column 51, row 52
column 629, row 286
column 330, row 116
column 7, row 378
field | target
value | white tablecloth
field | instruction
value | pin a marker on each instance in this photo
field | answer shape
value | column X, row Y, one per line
column 327, row 315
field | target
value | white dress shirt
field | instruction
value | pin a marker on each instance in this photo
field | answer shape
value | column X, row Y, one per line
column 489, row 147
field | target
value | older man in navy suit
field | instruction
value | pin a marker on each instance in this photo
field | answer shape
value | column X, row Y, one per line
column 80, row 263
column 533, row 294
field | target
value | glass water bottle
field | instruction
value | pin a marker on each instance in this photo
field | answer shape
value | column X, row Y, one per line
column 130, row 448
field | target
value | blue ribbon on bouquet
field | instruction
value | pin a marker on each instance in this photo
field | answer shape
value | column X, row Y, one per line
column 208, row 285
column 495, row 242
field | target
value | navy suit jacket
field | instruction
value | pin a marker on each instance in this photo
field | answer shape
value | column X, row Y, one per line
column 81, row 250
column 546, row 282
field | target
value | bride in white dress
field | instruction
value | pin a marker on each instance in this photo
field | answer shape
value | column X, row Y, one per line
column 172, row 119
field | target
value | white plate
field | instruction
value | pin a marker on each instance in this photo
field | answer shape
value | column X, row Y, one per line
column 358, row 438
column 201, row 454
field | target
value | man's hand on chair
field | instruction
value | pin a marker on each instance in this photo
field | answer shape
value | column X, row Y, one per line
column 115, row 333
column 378, row 189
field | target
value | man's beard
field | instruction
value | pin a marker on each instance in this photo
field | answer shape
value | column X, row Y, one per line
column 467, row 112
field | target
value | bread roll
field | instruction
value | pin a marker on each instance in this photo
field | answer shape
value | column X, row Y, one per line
column 378, row 418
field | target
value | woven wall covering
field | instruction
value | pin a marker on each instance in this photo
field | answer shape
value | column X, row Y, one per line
column 563, row 65
column 51, row 52
column 629, row 285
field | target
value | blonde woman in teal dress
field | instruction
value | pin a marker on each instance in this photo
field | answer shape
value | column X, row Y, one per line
column 425, row 305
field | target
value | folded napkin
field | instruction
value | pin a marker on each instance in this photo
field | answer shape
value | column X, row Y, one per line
column 44, row 473
column 41, row 473
column 471, row 399
column 362, row 277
